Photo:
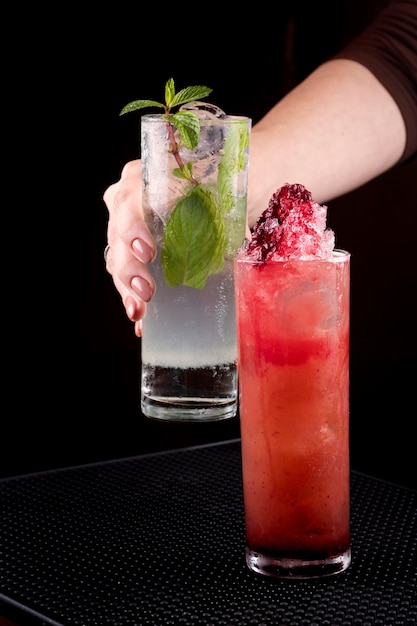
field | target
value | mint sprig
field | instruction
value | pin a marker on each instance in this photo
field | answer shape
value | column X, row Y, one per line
column 194, row 242
column 186, row 122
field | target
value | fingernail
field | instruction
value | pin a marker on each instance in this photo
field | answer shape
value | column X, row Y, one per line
column 143, row 250
column 138, row 328
column 131, row 310
column 142, row 288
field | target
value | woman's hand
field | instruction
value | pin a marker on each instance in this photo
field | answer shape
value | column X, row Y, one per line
column 130, row 245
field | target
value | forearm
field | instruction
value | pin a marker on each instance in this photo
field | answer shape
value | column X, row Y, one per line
column 334, row 132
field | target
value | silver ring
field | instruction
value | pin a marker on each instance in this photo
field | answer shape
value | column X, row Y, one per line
column 105, row 253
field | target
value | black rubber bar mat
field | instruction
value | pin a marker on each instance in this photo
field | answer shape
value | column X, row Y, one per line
column 159, row 540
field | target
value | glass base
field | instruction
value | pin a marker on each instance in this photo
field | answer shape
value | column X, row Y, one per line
column 190, row 410
column 297, row 568
column 195, row 394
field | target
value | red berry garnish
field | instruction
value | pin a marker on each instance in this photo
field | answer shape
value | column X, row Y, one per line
column 292, row 226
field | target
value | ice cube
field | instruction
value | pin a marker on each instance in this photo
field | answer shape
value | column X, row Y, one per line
column 207, row 154
column 204, row 110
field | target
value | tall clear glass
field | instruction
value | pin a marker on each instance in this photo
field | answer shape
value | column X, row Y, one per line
column 194, row 203
column 293, row 340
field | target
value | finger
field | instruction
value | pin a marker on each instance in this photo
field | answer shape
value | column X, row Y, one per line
column 133, row 170
column 134, row 306
column 124, row 201
column 128, row 272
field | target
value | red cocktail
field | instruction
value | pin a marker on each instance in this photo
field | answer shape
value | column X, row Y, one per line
column 293, row 363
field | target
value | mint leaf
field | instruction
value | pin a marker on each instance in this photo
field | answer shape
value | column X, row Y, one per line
column 232, row 161
column 169, row 92
column 140, row 104
column 235, row 225
column 188, row 126
column 189, row 94
column 186, row 171
column 194, row 240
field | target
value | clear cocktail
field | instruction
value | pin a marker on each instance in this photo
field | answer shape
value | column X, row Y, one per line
column 197, row 216
column 293, row 338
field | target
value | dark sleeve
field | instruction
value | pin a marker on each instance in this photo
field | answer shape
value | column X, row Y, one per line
column 388, row 48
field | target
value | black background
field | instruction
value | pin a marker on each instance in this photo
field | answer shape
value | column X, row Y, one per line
column 70, row 357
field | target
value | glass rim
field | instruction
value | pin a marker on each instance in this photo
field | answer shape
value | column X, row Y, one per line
column 338, row 255
column 156, row 117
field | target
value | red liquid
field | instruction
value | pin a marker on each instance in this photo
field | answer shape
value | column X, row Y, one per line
column 293, row 337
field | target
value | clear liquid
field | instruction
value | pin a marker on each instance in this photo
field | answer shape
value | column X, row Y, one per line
column 189, row 350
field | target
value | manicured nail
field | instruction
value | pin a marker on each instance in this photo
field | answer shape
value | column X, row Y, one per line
column 131, row 310
column 138, row 328
column 142, row 288
column 143, row 250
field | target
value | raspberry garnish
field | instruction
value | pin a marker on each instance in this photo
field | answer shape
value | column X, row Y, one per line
column 292, row 226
